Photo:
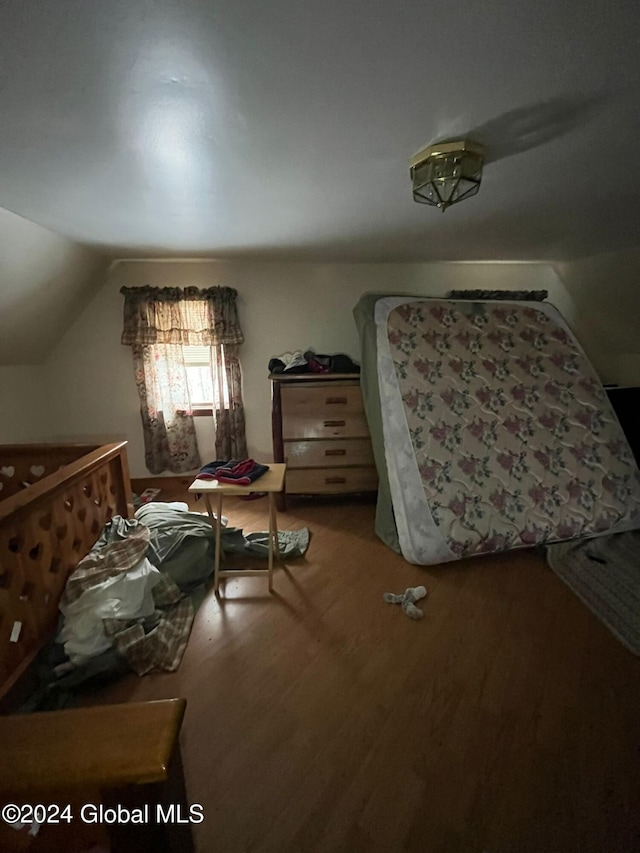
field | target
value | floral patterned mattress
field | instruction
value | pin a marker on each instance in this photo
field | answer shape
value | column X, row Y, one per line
column 497, row 432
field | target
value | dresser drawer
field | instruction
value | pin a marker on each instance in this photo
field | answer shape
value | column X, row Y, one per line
column 309, row 425
column 317, row 481
column 323, row 454
column 321, row 400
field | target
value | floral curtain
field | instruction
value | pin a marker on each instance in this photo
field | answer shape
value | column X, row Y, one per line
column 230, row 428
column 167, row 422
column 175, row 315
column 158, row 322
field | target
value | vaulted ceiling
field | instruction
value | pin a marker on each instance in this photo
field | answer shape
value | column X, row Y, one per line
column 283, row 129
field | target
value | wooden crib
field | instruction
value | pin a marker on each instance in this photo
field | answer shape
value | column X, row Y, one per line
column 54, row 503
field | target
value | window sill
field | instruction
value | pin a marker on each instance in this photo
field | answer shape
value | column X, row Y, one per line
column 201, row 412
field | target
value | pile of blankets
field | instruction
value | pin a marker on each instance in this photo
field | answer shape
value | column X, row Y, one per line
column 117, row 597
column 130, row 603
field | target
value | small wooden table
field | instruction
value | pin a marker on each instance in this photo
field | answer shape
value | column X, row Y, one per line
column 271, row 482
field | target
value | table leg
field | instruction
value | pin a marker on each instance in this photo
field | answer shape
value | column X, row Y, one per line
column 216, row 565
column 273, row 537
column 273, row 510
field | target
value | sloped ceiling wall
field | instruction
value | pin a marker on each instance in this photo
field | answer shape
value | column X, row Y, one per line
column 45, row 282
column 25, row 405
column 606, row 293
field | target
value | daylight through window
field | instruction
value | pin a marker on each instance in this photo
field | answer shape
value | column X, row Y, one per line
column 206, row 385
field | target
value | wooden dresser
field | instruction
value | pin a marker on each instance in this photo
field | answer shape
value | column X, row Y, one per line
column 320, row 431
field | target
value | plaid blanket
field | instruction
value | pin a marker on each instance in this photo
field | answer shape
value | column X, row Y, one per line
column 157, row 642
column 106, row 562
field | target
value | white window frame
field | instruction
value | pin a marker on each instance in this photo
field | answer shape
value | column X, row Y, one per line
column 199, row 358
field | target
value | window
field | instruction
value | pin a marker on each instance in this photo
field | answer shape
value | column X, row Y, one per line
column 156, row 321
column 203, row 382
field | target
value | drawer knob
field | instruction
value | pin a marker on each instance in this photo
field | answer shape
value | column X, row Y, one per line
column 336, row 480
column 337, row 452
column 341, row 400
column 334, row 423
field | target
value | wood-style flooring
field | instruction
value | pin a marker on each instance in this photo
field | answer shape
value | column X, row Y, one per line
column 322, row 719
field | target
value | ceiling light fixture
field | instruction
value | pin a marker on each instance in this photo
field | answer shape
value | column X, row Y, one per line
column 446, row 173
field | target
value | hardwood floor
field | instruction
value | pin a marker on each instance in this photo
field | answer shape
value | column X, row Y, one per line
column 322, row 719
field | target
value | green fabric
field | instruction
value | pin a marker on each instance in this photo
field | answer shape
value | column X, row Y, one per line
column 292, row 543
column 364, row 316
column 182, row 543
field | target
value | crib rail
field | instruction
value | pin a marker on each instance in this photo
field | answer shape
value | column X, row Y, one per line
column 22, row 465
column 45, row 529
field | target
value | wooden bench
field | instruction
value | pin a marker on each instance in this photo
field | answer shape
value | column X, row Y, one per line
column 125, row 756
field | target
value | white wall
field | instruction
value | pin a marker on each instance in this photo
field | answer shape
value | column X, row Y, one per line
column 283, row 306
column 605, row 290
column 45, row 281
column 24, row 405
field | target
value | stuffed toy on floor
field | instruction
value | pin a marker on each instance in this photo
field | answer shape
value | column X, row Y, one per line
column 407, row 600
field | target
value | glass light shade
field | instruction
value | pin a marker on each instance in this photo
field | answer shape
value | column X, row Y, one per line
column 445, row 174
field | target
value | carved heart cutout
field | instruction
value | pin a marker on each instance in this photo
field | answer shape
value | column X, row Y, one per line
column 68, row 504
column 82, row 513
column 8, row 470
column 61, row 531
column 28, row 588
column 45, row 521
column 37, row 470
column 15, row 544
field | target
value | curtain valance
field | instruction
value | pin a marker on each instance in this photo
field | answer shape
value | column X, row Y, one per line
column 189, row 316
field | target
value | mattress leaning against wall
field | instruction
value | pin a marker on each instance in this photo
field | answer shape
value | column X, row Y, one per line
column 490, row 429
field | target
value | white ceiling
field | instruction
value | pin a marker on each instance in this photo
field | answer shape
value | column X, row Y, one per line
column 284, row 128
